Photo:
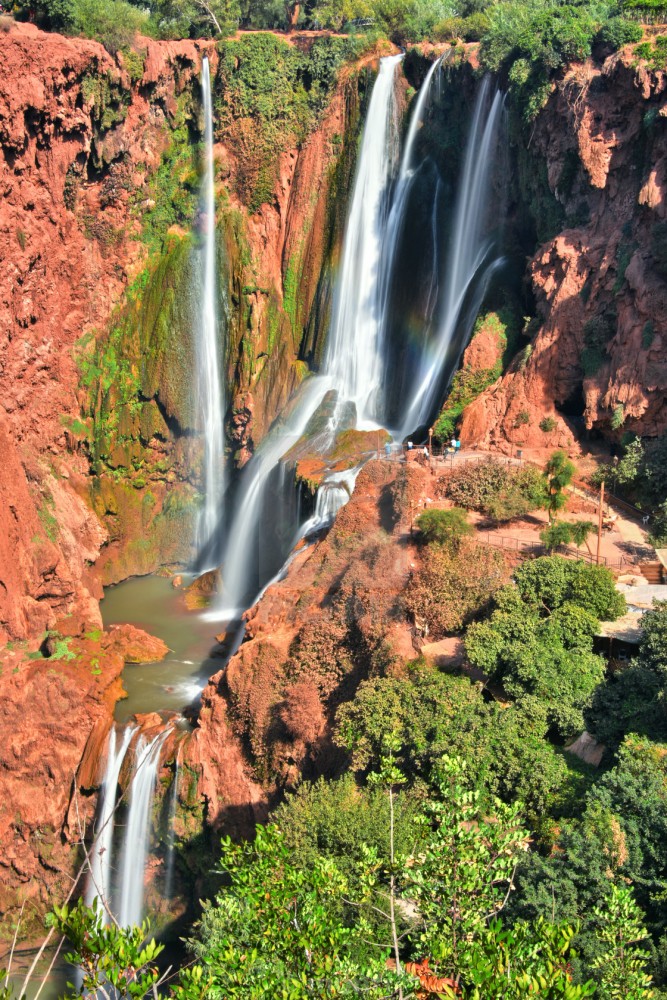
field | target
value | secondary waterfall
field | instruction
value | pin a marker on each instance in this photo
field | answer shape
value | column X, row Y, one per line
column 171, row 832
column 209, row 382
column 137, row 832
column 99, row 881
column 469, row 267
column 353, row 357
column 333, row 493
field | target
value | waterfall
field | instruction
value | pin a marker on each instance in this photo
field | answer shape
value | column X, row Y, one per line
column 99, row 881
column 137, row 833
column 352, row 365
column 353, row 356
column 239, row 575
column 470, row 265
column 333, row 493
column 209, row 382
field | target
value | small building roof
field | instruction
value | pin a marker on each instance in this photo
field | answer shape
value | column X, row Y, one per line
column 627, row 628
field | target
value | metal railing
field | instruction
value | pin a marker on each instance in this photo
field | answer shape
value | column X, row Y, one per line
column 512, row 544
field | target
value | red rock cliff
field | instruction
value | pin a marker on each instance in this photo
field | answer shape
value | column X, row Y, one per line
column 599, row 352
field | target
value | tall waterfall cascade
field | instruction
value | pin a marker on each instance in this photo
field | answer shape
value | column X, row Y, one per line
column 353, row 364
column 354, row 350
column 210, row 388
column 470, row 263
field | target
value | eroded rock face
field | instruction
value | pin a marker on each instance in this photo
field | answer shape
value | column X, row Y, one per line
column 77, row 140
column 96, row 378
column 337, row 617
column 55, row 715
column 599, row 353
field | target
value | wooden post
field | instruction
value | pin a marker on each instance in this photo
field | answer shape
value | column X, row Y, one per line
column 597, row 554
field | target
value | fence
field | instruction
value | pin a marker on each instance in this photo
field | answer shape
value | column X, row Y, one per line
column 537, row 548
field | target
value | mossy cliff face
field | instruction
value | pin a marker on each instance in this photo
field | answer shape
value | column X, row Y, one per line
column 288, row 121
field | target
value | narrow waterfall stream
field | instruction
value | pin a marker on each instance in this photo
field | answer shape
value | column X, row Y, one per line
column 101, row 853
column 130, row 907
column 406, row 176
column 210, row 388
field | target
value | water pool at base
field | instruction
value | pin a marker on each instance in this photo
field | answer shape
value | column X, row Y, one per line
column 153, row 604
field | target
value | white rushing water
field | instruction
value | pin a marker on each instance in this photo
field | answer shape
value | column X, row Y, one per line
column 469, row 265
column 333, row 493
column 353, row 363
column 210, row 391
column 99, row 881
column 237, row 569
column 353, row 356
column 130, row 907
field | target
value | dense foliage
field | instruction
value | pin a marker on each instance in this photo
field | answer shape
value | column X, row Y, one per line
column 500, row 491
column 525, row 41
column 538, row 642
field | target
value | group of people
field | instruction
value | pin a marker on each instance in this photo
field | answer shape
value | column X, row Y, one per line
column 454, row 446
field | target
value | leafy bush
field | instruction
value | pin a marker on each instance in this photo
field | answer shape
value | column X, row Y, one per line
column 499, row 491
column 112, row 22
column 617, row 32
column 454, row 584
column 547, row 425
column 444, row 526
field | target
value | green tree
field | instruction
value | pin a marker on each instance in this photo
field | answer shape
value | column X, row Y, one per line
column 275, row 929
column 538, row 642
column 558, row 473
column 622, row 964
column 444, row 526
column 192, row 18
column 564, row 532
column 118, row 961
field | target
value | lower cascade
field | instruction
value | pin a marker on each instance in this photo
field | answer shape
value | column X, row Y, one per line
column 125, row 852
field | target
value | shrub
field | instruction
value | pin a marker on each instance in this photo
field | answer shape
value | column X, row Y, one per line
column 547, row 425
column 448, row 30
column 112, row 22
column 442, row 526
column 617, row 32
column 454, row 584
column 497, row 490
